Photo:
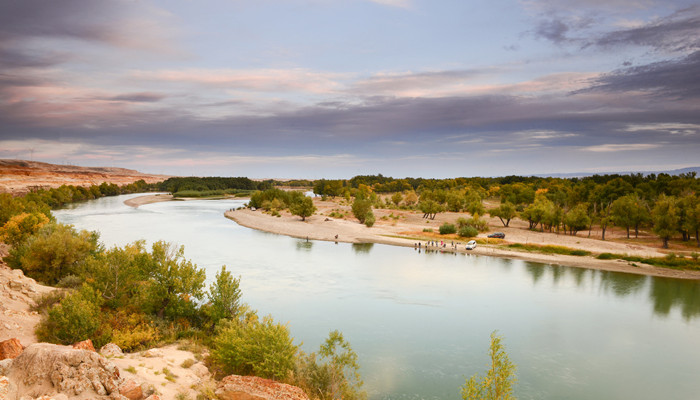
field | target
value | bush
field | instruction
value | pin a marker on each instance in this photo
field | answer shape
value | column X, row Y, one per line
column 446, row 229
column 606, row 256
column 133, row 331
column 369, row 219
column 77, row 317
column 468, row 231
column 252, row 347
column 430, row 230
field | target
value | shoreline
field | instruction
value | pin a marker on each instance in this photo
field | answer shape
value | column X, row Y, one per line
column 319, row 228
column 148, row 199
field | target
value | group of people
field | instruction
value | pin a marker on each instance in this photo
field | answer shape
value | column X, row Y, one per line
column 435, row 244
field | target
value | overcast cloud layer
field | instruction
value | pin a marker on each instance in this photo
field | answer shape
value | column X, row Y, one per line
column 335, row 88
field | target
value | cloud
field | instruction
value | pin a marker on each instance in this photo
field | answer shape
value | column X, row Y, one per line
column 142, row 97
column 394, row 3
column 673, row 79
column 679, row 32
column 669, row 128
column 262, row 80
column 607, row 148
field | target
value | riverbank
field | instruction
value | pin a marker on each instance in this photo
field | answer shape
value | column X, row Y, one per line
column 148, row 199
column 320, row 227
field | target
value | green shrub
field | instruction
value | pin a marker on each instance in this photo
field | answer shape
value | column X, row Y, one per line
column 252, row 347
column 369, row 219
column 428, row 230
column 77, row 317
column 70, row 281
column 446, row 229
column 606, row 256
column 468, row 231
column 44, row 301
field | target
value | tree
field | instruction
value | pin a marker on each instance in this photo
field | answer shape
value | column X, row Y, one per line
column 430, row 208
column 505, row 212
column 499, row 380
column 22, row 226
column 396, row 198
column 224, row 296
column 173, row 281
column 411, row 198
column 249, row 346
column 665, row 217
column 361, row 207
column 629, row 211
column 55, row 251
column 577, row 219
column 338, row 377
column 77, row 317
column 303, row 207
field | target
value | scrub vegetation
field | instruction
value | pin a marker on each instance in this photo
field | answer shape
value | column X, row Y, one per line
column 139, row 297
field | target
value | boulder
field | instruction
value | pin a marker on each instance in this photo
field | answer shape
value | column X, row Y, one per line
column 153, row 397
column 234, row 387
column 10, row 348
column 69, row 371
column 131, row 390
column 5, row 366
column 111, row 350
column 201, row 370
column 84, row 345
column 153, row 353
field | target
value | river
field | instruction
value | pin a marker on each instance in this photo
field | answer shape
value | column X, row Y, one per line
column 420, row 323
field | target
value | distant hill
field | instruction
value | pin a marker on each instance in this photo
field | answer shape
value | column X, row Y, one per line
column 585, row 174
column 21, row 176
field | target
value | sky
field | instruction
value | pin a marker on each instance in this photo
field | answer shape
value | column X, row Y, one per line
column 338, row 88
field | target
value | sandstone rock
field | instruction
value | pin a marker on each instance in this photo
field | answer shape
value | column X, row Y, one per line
column 7, row 388
column 5, row 366
column 84, row 345
column 69, row 371
column 15, row 284
column 153, row 397
column 131, row 390
column 10, row 348
column 200, row 370
column 236, row 387
column 153, row 353
column 111, row 350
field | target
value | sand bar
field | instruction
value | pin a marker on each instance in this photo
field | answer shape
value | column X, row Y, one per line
column 147, row 199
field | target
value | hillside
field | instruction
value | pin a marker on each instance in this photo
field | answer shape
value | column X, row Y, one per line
column 21, row 176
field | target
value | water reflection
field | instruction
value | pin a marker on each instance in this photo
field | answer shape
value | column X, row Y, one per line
column 621, row 285
column 668, row 293
column 535, row 270
column 305, row 245
column 362, row 248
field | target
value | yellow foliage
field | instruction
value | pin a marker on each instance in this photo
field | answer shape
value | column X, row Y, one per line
column 541, row 191
column 21, row 226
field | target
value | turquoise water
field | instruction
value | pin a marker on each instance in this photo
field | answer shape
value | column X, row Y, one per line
column 420, row 323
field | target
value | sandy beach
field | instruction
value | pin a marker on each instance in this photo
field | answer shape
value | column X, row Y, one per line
column 405, row 228
column 148, row 199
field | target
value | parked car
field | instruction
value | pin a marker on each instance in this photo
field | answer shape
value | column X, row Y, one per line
column 471, row 245
column 498, row 235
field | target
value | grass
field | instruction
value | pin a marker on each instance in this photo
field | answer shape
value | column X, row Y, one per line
column 131, row 369
column 670, row 261
column 169, row 375
column 549, row 249
column 44, row 301
column 188, row 363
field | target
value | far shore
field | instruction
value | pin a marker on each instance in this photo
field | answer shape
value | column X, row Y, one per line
column 406, row 231
column 147, row 199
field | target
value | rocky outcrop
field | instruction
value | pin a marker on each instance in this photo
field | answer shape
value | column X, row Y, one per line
column 111, row 350
column 62, row 369
column 10, row 348
column 84, row 345
column 236, row 387
column 153, row 353
column 131, row 390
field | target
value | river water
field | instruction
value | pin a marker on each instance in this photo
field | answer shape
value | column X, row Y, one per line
column 420, row 323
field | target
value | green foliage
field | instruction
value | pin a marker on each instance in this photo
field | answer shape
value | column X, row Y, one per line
column 499, row 380
column 333, row 373
column 630, row 211
column 200, row 184
column 428, row 230
column 224, row 296
column 396, row 198
column 303, row 207
column 468, row 231
column 370, row 219
column 361, row 208
column 447, row 228
column 430, row 208
column 665, row 217
column 55, row 251
column 174, row 282
column 249, row 346
column 549, row 249
column 132, row 330
column 505, row 212
column 77, row 317
column 577, row 219
column 607, row 256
